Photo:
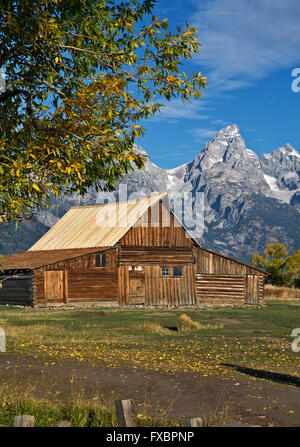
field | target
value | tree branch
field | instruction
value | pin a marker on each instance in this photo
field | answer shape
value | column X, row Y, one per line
column 11, row 94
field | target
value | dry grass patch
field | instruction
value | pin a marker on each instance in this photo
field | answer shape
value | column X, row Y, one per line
column 153, row 328
column 187, row 324
column 281, row 292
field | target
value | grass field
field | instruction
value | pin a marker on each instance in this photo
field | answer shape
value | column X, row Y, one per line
column 137, row 338
column 224, row 342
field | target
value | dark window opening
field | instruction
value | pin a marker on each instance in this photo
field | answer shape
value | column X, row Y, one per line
column 165, row 271
column 100, row 260
column 177, row 271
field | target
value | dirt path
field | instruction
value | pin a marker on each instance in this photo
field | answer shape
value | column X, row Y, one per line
column 248, row 400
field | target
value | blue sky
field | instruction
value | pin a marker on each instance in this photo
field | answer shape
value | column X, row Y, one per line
column 249, row 50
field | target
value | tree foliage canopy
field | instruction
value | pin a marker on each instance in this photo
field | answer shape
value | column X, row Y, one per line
column 284, row 269
column 80, row 77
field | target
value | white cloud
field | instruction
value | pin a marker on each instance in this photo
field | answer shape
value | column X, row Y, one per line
column 176, row 109
column 202, row 134
column 221, row 123
column 244, row 41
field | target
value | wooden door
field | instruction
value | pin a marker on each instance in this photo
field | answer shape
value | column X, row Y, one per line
column 252, row 289
column 136, row 287
column 54, row 286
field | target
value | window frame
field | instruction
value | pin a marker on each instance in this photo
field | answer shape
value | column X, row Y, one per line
column 170, row 272
column 100, row 261
column 163, row 273
column 177, row 276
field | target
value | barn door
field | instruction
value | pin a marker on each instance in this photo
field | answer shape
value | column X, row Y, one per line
column 136, row 287
column 252, row 289
column 54, row 285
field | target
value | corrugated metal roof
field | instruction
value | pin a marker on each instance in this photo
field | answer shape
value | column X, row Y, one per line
column 95, row 225
column 29, row 260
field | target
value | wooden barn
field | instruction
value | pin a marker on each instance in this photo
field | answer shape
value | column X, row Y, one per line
column 126, row 253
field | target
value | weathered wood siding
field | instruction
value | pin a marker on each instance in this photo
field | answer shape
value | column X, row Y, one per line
column 214, row 271
column 123, row 283
column 55, row 286
column 92, row 286
column 170, row 291
column 207, row 262
column 39, row 288
column 224, row 289
column 160, row 255
column 81, row 281
column 220, row 289
column 136, row 287
column 17, row 290
column 254, row 289
column 157, row 228
column 85, row 261
column 160, row 290
column 76, row 286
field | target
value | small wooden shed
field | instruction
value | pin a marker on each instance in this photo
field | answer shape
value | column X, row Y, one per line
column 126, row 253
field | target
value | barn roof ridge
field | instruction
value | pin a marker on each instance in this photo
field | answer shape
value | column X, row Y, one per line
column 117, row 202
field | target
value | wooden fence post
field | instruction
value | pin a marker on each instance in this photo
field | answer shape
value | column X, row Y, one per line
column 2, row 340
column 192, row 422
column 126, row 413
column 24, row 421
column 61, row 424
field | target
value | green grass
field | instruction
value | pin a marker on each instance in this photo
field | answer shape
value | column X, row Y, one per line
column 252, row 337
column 46, row 413
column 78, row 412
column 139, row 338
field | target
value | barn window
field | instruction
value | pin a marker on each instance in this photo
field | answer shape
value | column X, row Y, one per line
column 177, row 271
column 100, row 260
column 165, row 271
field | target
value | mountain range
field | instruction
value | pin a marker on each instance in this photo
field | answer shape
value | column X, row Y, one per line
column 248, row 201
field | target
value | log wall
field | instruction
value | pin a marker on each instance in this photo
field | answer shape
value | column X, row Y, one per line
column 230, row 289
column 223, row 277
column 17, row 290
column 220, row 289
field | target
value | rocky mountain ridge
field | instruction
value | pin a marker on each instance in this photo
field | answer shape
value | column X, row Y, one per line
column 248, row 202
